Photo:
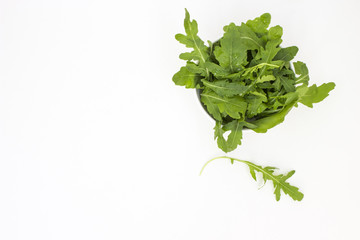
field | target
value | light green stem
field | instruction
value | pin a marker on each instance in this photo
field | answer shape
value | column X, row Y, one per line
column 231, row 159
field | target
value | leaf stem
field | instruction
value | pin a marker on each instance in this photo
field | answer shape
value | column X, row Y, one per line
column 230, row 158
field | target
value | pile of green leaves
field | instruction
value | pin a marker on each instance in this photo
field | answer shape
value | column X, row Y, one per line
column 246, row 78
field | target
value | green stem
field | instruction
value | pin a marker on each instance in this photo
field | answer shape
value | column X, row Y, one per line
column 230, row 158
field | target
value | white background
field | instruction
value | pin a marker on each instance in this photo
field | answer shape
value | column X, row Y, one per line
column 96, row 142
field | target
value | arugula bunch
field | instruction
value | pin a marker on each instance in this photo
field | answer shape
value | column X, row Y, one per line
column 246, row 79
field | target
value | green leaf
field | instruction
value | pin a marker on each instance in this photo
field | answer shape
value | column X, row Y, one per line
column 286, row 78
column 290, row 97
column 255, row 104
column 231, row 55
column 266, row 78
column 218, row 71
column 270, row 51
column 279, row 181
column 286, row 54
column 275, row 32
column 234, row 139
column 192, row 67
column 268, row 174
column 267, row 54
column 287, row 83
column 237, row 40
column 302, row 70
column 260, row 24
column 262, row 67
column 191, row 40
column 186, row 78
column 235, row 107
column 219, row 135
column 225, row 88
column 235, row 136
column 266, row 123
column 209, row 99
column 314, row 94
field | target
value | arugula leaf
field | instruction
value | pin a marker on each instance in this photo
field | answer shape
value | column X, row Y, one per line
column 260, row 24
column 225, row 88
column 266, row 78
column 234, row 139
column 314, row 94
column 234, row 106
column 191, row 40
column 219, row 136
column 208, row 98
column 218, row 71
column 235, row 136
column 275, row 32
column 302, row 70
column 287, row 54
column 279, row 181
column 186, row 78
column 286, row 81
column 266, row 123
column 231, row 55
column 255, row 104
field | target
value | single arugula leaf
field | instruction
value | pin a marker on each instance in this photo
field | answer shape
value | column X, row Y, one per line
column 314, row 94
column 225, row 88
column 191, row 40
column 255, row 103
column 266, row 123
column 302, row 70
column 275, row 32
column 235, row 106
column 279, row 180
column 289, row 97
column 208, row 97
column 219, row 136
column 260, row 24
column 286, row 54
column 249, row 38
column 235, row 136
column 218, row 71
column 230, row 55
column 267, row 54
column 266, row 78
column 237, row 40
column 287, row 83
column 194, row 68
column 286, row 78
column 186, row 78
column 270, row 51
column 251, row 71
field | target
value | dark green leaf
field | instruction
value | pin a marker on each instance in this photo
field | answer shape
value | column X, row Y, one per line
column 286, row 54
column 235, row 106
column 225, row 88
column 269, row 122
column 208, row 98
